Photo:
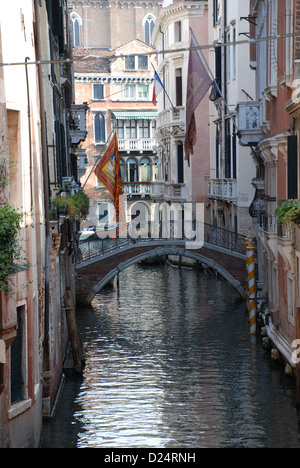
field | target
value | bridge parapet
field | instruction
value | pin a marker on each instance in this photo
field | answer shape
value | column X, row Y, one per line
column 100, row 260
column 161, row 233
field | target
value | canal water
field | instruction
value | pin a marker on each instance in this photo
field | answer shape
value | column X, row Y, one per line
column 170, row 363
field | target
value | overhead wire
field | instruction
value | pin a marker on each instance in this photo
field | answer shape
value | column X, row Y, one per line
column 155, row 52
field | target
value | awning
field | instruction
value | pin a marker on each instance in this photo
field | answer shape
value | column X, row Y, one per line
column 136, row 115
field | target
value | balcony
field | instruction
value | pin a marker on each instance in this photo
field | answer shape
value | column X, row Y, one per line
column 141, row 144
column 77, row 123
column 250, row 123
column 171, row 117
column 141, row 189
column 223, row 189
column 157, row 190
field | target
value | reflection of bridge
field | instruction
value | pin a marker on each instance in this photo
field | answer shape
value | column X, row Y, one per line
column 101, row 259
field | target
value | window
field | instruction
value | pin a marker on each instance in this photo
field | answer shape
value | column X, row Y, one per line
column 131, row 129
column 292, row 169
column 177, row 26
column 143, row 91
column 149, row 26
column 227, row 149
column 145, row 129
column 76, row 25
column 234, row 53
column 143, row 62
column 18, row 359
column 99, row 128
column 132, row 172
column 156, row 169
column 129, row 91
column 178, row 78
column 180, row 164
column 228, row 57
column 139, row 62
column 120, row 129
column 145, row 169
column 98, row 92
column 130, row 63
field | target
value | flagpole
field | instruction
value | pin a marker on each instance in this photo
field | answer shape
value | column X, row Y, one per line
column 214, row 80
column 106, row 143
column 164, row 90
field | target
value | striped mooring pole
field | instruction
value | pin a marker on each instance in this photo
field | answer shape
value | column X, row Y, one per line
column 250, row 260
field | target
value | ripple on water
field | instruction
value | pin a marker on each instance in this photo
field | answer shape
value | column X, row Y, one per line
column 170, row 363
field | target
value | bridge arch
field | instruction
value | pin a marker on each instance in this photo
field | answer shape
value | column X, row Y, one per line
column 165, row 251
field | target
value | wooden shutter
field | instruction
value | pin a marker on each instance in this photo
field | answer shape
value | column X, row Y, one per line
column 292, row 176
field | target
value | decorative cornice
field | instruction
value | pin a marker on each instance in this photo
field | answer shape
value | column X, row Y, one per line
column 95, row 78
column 115, row 3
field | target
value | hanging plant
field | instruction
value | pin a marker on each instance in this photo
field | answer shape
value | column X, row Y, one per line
column 10, row 249
column 288, row 212
column 76, row 204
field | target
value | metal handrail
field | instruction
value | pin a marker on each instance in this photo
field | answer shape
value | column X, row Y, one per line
column 164, row 232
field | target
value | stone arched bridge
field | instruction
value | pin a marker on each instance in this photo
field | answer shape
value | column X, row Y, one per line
column 100, row 260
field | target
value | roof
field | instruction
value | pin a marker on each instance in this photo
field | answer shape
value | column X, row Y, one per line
column 93, row 60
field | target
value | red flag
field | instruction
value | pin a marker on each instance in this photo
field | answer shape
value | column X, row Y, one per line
column 108, row 171
column 198, row 84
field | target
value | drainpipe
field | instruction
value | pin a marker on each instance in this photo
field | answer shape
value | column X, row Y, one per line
column 45, row 168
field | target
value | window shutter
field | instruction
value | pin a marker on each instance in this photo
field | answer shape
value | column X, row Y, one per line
column 292, row 175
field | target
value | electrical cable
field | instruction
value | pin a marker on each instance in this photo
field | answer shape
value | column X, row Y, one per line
column 155, row 52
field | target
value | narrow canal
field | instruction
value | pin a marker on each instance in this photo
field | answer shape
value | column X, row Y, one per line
column 170, row 363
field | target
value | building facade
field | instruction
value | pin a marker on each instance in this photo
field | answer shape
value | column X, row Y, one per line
column 118, row 88
column 182, row 182
column 36, row 160
column 232, row 168
column 100, row 23
column 269, row 125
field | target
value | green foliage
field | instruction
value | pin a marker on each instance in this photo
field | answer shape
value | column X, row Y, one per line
column 10, row 250
column 288, row 212
column 76, row 204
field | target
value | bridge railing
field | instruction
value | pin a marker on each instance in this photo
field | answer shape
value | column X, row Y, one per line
column 170, row 232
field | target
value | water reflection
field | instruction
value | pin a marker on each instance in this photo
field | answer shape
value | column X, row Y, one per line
column 170, row 363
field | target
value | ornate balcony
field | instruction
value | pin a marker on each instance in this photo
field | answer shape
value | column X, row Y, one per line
column 140, row 189
column 141, row 144
column 250, row 123
column 223, row 189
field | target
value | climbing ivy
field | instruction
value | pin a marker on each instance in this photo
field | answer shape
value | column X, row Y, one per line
column 10, row 248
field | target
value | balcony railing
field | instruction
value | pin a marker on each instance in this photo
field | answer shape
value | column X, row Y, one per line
column 77, row 123
column 137, row 188
column 141, row 144
column 250, row 122
column 171, row 117
column 223, row 189
column 157, row 189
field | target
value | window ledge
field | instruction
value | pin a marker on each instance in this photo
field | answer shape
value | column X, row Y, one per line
column 19, row 407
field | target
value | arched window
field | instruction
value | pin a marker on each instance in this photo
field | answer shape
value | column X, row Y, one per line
column 99, row 128
column 156, row 169
column 149, row 23
column 76, row 25
column 132, row 170
column 145, row 170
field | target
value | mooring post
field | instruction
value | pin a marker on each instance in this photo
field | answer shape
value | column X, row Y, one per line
column 250, row 260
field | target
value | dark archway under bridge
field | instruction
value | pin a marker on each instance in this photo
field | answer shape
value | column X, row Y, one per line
column 94, row 273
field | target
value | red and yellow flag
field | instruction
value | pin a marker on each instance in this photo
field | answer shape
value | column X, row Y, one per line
column 108, row 171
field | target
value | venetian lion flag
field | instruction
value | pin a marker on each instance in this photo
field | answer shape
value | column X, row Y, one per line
column 108, row 171
column 198, row 84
